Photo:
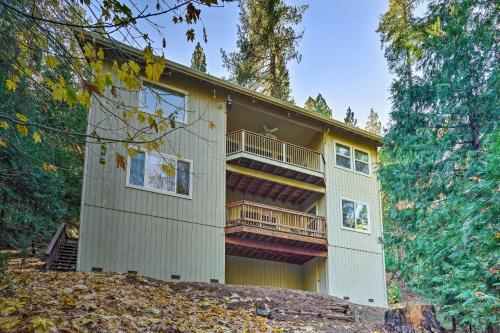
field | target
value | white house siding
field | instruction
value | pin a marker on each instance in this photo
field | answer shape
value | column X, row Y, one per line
column 125, row 229
column 355, row 259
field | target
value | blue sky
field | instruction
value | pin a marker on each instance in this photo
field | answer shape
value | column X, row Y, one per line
column 341, row 54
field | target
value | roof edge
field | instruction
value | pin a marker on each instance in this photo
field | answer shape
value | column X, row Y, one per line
column 233, row 87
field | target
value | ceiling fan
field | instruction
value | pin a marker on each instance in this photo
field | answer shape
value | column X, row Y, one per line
column 268, row 131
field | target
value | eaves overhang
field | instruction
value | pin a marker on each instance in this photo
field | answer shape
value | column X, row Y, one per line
column 111, row 44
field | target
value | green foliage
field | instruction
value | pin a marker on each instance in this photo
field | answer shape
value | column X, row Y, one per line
column 267, row 41
column 199, row 60
column 373, row 124
column 40, row 176
column 439, row 164
column 349, row 117
column 318, row 106
column 394, row 293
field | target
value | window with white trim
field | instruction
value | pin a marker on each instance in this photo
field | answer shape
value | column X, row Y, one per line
column 354, row 215
column 342, row 156
column 353, row 159
column 160, row 173
column 361, row 161
column 170, row 102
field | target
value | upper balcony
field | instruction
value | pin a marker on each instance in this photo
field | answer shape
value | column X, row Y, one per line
column 256, row 151
column 266, row 232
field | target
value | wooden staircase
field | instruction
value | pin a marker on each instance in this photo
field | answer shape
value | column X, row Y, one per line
column 66, row 258
column 62, row 251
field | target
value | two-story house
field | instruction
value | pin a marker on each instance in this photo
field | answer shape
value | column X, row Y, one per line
column 272, row 195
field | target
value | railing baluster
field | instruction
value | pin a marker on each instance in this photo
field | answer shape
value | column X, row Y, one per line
column 264, row 216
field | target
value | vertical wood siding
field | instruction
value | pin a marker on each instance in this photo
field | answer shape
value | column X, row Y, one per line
column 156, row 234
column 263, row 273
column 355, row 259
column 358, row 275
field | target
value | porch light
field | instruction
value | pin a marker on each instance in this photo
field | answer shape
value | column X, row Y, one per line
column 229, row 103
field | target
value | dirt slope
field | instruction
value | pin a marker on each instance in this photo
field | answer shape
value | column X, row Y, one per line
column 106, row 302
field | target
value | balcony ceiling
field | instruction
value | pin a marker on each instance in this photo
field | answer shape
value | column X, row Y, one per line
column 252, row 118
column 267, row 189
column 263, row 244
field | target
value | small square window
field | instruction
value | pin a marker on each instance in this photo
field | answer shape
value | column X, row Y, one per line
column 354, row 215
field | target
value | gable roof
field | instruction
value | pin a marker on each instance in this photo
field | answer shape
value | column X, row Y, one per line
column 111, row 44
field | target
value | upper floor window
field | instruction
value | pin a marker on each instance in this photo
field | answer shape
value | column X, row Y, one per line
column 352, row 158
column 160, row 173
column 354, row 215
column 154, row 97
column 342, row 156
column 361, row 162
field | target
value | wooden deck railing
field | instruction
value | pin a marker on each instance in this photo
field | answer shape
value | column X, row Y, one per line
column 274, row 218
column 245, row 141
column 53, row 249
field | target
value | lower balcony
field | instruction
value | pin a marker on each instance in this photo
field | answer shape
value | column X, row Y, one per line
column 266, row 232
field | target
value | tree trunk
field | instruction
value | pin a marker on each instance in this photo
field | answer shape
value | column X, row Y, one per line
column 492, row 329
column 413, row 319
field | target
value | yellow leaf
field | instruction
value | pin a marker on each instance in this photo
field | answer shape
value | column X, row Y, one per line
column 159, row 113
column 49, row 167
column 134, row 67
column 41, row 325
column 51, row 61
column 168, row 169
column 211, row 124
column 22, row 129
column 21, row 117
column 100, row 53
column 9, row 323
column 155, row 70
column 141, row 117
column 9, row 310
column 88, row 51
column 133, row 152
column 3, row 143
column 4, row 124
column 37, row 138
column 12, row 83
column 121, row 162
column 84, row 99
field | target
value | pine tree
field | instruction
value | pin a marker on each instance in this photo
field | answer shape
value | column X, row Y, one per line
column 267, row 42
column 198, row 59
column 439, row 164
column 318, row 106
column 349, row 117
column 373, row 124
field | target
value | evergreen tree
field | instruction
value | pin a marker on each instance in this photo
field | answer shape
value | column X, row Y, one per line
column 349, row 117
column 318, row 106
column 267, row 41
column 373, row 124
column 198, row 59
column 439, row 163
column 40, row 175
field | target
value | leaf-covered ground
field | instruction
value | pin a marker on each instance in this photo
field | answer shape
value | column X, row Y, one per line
column 66, row 302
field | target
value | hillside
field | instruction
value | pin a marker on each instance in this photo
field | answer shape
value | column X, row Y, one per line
column 127, row 302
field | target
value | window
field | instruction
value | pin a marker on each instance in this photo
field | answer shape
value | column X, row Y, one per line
column 361, row 162
column 342, row 156
column 354, row 215
column 170, row 102
column 352, row 159
column 146, row 171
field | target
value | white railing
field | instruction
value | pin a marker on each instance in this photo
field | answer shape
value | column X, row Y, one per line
column 245, row 141
column 274, row 218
